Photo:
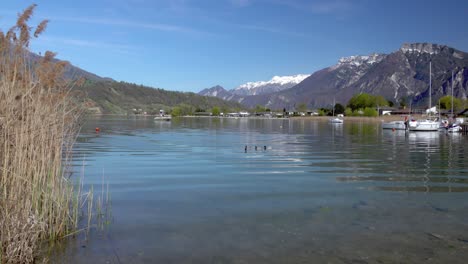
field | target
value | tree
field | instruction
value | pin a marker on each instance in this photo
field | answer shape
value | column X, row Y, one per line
column 402, row 103
column 446, row 103
column 224, row 110
column 215, row 111
column 176, row 111
column 181, row 110
column 339, row 109
column 348, row 112
column 302, row 107
column 369, row 111
column 360, row 101
column 259, row 108
column 379, row 101
column 363, row 100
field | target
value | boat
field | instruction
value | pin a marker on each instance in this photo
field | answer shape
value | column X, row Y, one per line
column 454, row 128
column 425, row 124
column 452, row 125
column 443, row 124
column 335, row 120
column 163, row 118
column 394, row 125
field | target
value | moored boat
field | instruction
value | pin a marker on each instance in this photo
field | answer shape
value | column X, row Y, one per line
column 423, row 125
column 455, row 128
column 394, row 125
column 163, row 118
column 336, row 120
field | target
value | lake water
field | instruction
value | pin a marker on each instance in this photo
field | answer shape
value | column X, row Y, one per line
column 186, row 191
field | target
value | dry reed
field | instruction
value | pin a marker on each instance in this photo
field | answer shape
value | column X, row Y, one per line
column 38, row 126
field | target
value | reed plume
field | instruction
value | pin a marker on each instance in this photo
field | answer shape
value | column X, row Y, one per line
column 38, row 126
column 41, row 28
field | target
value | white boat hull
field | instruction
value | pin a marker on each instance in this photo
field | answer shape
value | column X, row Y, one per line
column 423, row 125
column 335, row 121
column 396, row 125
column 162, row 118
column 454, row 129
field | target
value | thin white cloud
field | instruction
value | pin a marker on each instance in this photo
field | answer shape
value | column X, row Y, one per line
column 128, row 23
column 116, row 48
column 172, row 28
column 271, row 30
column 253, row 27
column 317, row 6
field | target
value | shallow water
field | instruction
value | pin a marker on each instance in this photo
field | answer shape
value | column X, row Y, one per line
column 187, row 192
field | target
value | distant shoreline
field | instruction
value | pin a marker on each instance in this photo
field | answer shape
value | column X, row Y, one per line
column 385, row 118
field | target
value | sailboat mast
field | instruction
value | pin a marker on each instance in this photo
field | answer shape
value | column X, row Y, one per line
column 452, row 93
column 430, row 85
column 333, row 108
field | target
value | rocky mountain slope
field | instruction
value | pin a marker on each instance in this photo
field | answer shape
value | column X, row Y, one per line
column 72, row 72
column 276, row 84
column 219, row 92
column 401, row 75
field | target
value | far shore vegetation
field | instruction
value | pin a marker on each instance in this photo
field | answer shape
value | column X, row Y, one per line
column 360, row 105
column 120, row 98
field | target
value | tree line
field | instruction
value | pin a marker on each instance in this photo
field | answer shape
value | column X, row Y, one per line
column 365, row 104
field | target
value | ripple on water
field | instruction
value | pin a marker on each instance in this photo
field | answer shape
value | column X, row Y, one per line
column 186, row 192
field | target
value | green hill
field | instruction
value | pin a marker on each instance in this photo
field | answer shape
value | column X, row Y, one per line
column 110, row 97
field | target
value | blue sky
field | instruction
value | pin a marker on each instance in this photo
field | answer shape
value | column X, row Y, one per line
column 188, row 45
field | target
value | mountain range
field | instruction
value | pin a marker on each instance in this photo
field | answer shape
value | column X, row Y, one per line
column 105, row 95
column 72, row 72
column 109, row 96
column 402, row 75
column 276, row 84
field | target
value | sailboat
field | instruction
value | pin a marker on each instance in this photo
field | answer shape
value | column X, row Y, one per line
column 425, row 124
column 335, row 120
column 455, row 127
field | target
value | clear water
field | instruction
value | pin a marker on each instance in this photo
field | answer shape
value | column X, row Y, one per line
column 187, row 192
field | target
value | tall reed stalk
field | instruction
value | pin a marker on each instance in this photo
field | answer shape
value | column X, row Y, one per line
column 38, row 126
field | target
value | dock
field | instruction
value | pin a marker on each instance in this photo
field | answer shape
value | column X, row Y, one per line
column 464, row 128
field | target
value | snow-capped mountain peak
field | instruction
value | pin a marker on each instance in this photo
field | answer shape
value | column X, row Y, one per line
column 277, row 83
column 359, row 60
column 421, row 48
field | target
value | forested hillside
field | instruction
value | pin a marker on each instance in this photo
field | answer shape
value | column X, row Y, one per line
column 123, row 98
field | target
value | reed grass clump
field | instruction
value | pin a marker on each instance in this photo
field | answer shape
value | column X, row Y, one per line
column 38, row 126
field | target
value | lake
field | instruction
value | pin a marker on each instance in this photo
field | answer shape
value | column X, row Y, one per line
column 305, row 191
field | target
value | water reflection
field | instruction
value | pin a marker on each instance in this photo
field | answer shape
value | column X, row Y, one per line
column 419, row 162
column 187, row 192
